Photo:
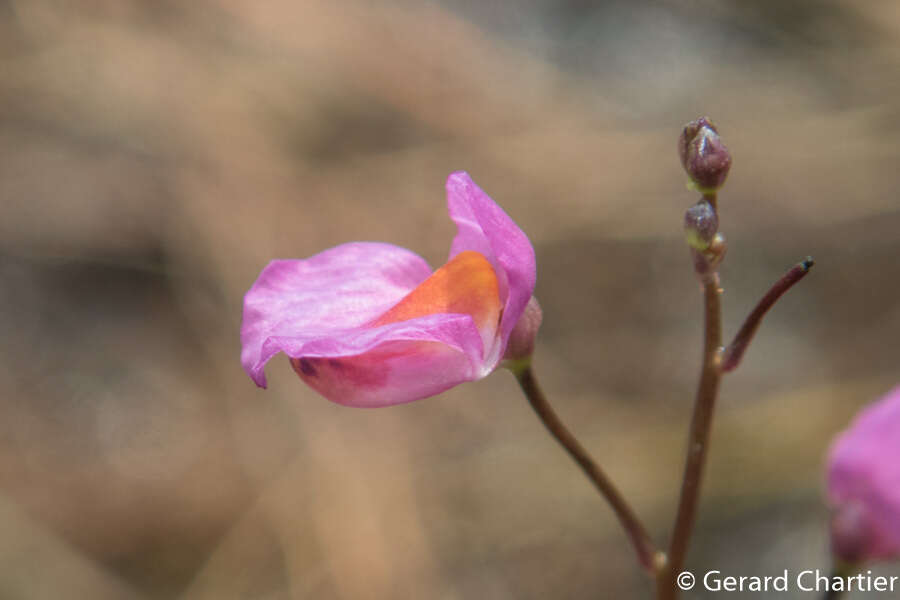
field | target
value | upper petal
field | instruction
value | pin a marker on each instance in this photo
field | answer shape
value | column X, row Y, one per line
column 482, row 226
column 333, row 291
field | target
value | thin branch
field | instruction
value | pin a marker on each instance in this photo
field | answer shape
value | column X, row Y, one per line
column 839, row 570
column 732, row 355
column 832, row 594
column 698, row 439
column 647, row 554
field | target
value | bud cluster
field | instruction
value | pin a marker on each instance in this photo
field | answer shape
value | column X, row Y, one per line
column 706, row 160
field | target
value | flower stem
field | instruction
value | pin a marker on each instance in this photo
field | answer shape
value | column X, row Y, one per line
column 716, row 362
column 832, row 594
column 647, row 554
column 842, row 570
column 698, row 440
column 732, row 355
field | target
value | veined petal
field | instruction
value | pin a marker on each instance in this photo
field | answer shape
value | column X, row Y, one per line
column 336, row 290
column 482, row 226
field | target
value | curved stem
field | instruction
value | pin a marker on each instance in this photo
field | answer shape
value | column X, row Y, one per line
column 698, row 440
column 647, row 554
column 732, row 355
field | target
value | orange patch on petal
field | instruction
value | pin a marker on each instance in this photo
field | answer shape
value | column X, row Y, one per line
column 467, row 284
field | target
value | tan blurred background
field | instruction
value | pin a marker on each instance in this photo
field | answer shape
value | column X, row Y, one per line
column 155, row 155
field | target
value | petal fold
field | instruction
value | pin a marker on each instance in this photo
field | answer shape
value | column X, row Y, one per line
column 403, row 362
column 467, row 284
column 482, row 226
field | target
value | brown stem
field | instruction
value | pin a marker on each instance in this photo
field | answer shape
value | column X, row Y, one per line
column 832, row 594
column 732, row 355
column 840, row 569
column 646, row 551
column 698, row 440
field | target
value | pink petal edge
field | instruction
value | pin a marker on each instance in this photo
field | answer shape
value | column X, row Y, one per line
column 484, row 227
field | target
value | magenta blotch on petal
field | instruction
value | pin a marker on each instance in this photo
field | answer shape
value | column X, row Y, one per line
column 864, row 484
column 369, row 324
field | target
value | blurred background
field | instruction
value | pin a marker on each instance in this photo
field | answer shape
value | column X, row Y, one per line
column 154, row 156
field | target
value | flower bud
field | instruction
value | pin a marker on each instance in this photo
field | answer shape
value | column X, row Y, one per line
column 700, row 225
column 703, row 155
column 521, row 341
column 864, row 485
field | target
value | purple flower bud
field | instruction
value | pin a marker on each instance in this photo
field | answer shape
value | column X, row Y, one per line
column 703, row 155
column 521, row 340
column 700, row 225
column 864, row 484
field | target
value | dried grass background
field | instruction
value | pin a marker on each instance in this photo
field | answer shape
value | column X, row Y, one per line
column 155, row 155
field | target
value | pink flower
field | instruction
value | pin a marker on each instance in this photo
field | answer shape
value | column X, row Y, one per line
column 369, row 324
column 864, row 484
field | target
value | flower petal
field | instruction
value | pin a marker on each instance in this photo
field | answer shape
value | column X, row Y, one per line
column 390, row 364
column 467, row 284
column 336, row 290
column 482, row 226
column 398, row 371
column 864, row 478
column 432, row 339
